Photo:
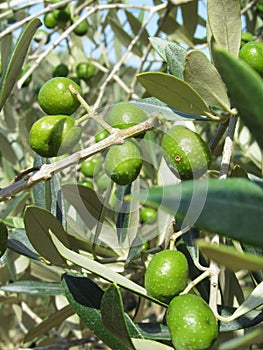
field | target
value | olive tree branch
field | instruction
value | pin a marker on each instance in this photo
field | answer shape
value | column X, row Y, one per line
column 46, row 171
column 118, row 65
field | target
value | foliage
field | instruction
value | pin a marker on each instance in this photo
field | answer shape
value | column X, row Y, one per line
column 72, row 270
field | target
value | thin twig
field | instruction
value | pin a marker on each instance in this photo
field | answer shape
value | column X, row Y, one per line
column 48, row 170
column 228, row 147
column 118, row 65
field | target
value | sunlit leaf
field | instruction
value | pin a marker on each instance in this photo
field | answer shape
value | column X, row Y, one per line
column 225, row 23
column 99, row 269
column 174, row 92
column 33, row 288
column 230, row 257
column 202, row 75
column 236, row 74
column 250, row 338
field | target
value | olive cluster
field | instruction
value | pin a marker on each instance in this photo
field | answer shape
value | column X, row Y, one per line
column 190, row 320
column 62, row 17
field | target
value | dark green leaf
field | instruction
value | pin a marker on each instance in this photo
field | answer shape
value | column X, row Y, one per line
column 16, row 60
column 34, row 288
column 89, row 314
column 202, row 75
column 231, row 207
column 113, row 316
column 38, row 224
column 224, row 21
column 236, row 74
column 174, row 92
column 84, row 290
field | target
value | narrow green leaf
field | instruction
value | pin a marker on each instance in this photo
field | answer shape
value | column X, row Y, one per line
column 224, row 18
column 135, row 25
column 124, row 38
column 49, row 323
column 100, row 269
column 190, row 16
column 250, row 338
column 173, row 91
column 231, row 207
column 147, row 344
column 236, row 74
column 16, row 60
column 38, row 223
column 91, row 315
column 113, row 316
column 254, row 300
column 230, row 257
column 6, row 46
column 7, row 151
column 34, row 288
column 202, row 75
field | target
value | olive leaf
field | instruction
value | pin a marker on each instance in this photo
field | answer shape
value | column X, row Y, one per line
column 16, row 60
column 236, row 74
column 225, row 24
column 202, row 75
column 174, row 92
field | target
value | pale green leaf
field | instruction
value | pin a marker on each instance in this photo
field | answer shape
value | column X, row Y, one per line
column 202, row 75
column 224, row 18
column 230, row 257
column 244, row 341
column 174, row 92
column 147, row 344
column 99, row 269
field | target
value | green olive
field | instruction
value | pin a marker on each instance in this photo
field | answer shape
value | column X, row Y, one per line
column 166, row 275
column 191, row 322
column 54, row 135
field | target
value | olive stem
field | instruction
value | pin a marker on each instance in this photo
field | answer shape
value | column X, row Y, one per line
column 228, row 148
column 197, row 280
column 90, row 112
